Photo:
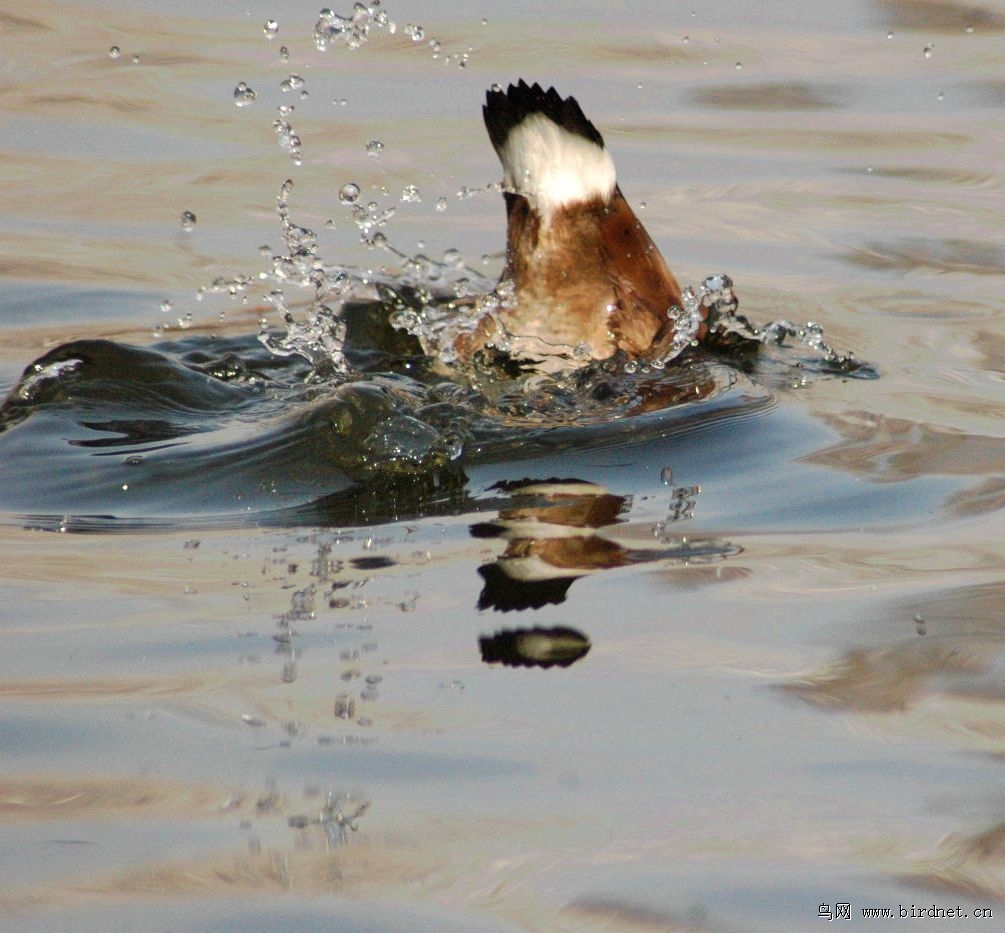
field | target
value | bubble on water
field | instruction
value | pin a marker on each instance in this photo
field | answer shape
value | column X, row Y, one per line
column 969, row 30
column 270, row 28
column 929, row 50
column 284, row 53
column 631, row 367
column 374, row 147
column 941, row 95
column 889, row 35
column 115, row 52
column 464, row 193
column 739, row 66
column 415, row 33
column 349, row 193
column 410, row 195
column 166, row 306
column 244, row 95
column 188, row 221
column 666, row 476
column 136, row 59
column 292, row 83
column 441, row 204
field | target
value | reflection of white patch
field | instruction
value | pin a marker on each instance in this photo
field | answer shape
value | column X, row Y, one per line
column 552, row 167
column 533, row 569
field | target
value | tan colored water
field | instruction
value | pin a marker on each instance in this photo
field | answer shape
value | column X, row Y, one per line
column 817, row 717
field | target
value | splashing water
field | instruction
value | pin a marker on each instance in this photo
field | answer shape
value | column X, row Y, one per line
column 319, row 334
column 244, row 95
column 353, row 31
column 442, row 303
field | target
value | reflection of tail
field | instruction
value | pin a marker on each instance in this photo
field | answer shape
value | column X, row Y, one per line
column 584, row 269
column 550, row 542
column 506, row 593
column 534, row 647
column 551, row 538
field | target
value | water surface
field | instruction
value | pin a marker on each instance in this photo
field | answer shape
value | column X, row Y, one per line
column 743, row 662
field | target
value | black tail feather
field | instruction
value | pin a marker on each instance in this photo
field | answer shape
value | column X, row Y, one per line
column 504, row 110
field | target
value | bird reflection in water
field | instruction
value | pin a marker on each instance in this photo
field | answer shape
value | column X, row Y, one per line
column 551, row 533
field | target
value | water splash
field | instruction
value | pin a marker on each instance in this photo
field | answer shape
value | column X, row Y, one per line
column 729, row 330
column 287, row 137
column 353, row 31
column 244, row 95
column 318, row 333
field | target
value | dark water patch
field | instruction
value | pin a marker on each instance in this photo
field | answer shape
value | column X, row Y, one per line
column 909, row 254
column 936, row 176
column 771, row 95
column 206, row 430
column 946, row 16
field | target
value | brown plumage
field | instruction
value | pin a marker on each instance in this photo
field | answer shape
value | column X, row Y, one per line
column 584, row 268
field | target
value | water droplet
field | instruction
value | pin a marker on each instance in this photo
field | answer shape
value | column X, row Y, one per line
column 293, row 83
column 441, row 204
column 284, row 53
column 270, row 28
column 631, row 367
column 410, row 195
column 969, row 30
column 666, row 476
column 349, row 193
column 941, row 95
column 889, row 35
column 166, row 306
column 244, row 95
column 415, row 33
column 136, row 59
column 115, row 52
column 374, row 147
column 929, row 49
column 686, row 40
column 739, row 66
column 187, row 221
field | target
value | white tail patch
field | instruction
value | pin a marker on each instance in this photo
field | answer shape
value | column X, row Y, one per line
column 554, row 168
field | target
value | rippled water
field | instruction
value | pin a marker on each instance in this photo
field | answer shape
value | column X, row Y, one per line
column 414, row 646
